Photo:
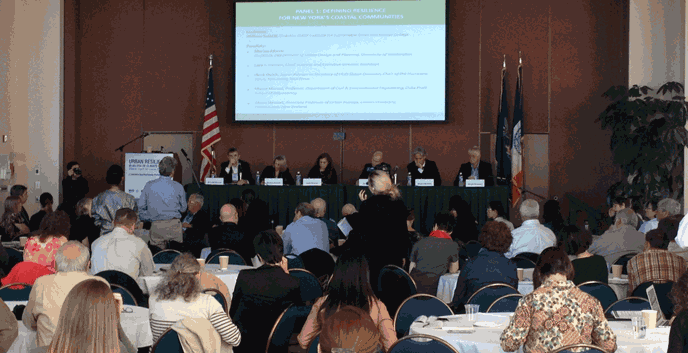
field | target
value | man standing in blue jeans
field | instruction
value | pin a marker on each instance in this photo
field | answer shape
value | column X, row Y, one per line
column 162, row 203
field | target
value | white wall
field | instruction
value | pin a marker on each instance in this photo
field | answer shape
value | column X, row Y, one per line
column 31, row 81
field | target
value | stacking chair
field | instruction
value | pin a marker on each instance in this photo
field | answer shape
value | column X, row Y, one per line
column 421, row 344
column 289, row 323
column 394, row 285
column 15, row 257
column 415, row 306
column 310, row 285
column 662, row 288
column 126, row 282
column 234, row 257
column 168, row 343
column 623, row 260
column 590, row 348
column 214, row 252
column 318, row 262
column 127, row 297
column 472, row 248
column 21, row 294
column 488, row 294
column 219, row 297
column 313, row 347
column 505, row 304
column 600, row 290
column 165, row 256
column 530, row 256
column 294, row 261
column 523, row 262
column 628, row 304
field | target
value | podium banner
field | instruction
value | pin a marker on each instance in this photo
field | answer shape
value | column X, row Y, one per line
column 140, row 168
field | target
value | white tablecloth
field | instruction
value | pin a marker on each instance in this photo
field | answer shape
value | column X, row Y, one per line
column 228, row 276
column 136, row 326
column 487, row 339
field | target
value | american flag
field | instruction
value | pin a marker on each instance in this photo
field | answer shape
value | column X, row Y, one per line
column 211, row 129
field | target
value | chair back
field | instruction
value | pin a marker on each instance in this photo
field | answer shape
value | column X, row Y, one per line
column 628, row 304
column 22, row 294
column 523, row 262
column 623, row 260
column 505, row 304
column 127, row 297
column 319, row 263
column 234, row 257
column 472, row 248
column 15, row 257
column 294, row 261
column 168, row 343
column 530, row 256
column 602, row 291
column 488, row 294
column 394, row 285
column 288, row 323
column 662, row 290
column 421, row 344
column 415, row 306
column 165, row 256
column 126, row 282
column 590, row 348
column 310, row 285
column 219, row 297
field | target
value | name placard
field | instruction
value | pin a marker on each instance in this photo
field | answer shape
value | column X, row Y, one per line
column 425, row 182
column 274, row 181
column 475, row 183
column 362, row 182
column 214, row 181
column 312, row 182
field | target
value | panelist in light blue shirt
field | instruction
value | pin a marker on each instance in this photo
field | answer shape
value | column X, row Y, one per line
column 306, row 232
column 162, row 202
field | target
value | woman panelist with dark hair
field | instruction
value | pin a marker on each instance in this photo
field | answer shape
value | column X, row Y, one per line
column 323, row 169
column 556, row 313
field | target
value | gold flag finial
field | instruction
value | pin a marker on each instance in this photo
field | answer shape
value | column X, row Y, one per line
column 211, row 60
column 504, row 64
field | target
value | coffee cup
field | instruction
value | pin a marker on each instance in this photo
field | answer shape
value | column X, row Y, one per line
column 616, row 270
column 201, row 262
column 519, row 273
column 650, row 318
column 119, row 300
column 224, row 262
column 149, row 149
column 23, row 240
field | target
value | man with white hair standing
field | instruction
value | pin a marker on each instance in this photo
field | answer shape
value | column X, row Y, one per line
column 49, row 292
column 531, row 236
column 333, row 232
column 162, row 203
column 620, row 239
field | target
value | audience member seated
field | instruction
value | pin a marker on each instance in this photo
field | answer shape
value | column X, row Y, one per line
column 257, row 216
column 89, row 322
column 667, row 208
column 9, row 328
column 11, row 224
column 422, row 168
column 306, row 232
column 49, row 292
column 179, row 296
column 261, row 294
column 109, row 201
column 489, row 266
column 495, row 212
column 121, row 250
column 235, row 170
column 278, row 169
column 54, row 232
column 26, row 272
column 655, row 263
column 323, row 169
column 475, row 169
column 622, row 238
column 678, row 336
column 376, row 164
column 84, row 228
column 351, row 329
column 531, row 236
column 349, row 286
column 556, row 313
column 46, row 201
column 414, row 235
column 586, row 266
column 333, row 232
column 434, row 256
column 465, row 225
column 348, row 209
column 195, row 225
column 670, row 226
column 23, row 193
column 651, row 215
column 228, row 235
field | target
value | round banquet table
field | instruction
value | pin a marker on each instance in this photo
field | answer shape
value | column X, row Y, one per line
column 486, row 339
column 136, row 326
column 228, row 276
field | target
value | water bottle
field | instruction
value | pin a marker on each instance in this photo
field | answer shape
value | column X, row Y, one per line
column 409, row 180
column 257, row 178
column 298, row 178
column 395, row 178
column 461, row 183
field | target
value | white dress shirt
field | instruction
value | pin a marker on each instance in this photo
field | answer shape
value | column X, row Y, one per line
column 682, row 237
column 124, row 252
column 649, row 225
column 532, row 237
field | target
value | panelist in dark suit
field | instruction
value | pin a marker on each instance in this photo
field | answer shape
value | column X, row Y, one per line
column 475, row 169
column 422, row 168
column 262, row 294
column 377, row 164
column 323, row 169
column 278, row 169
column 236, row 165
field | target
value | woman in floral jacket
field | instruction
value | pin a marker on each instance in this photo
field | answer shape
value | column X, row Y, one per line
column 557, row 313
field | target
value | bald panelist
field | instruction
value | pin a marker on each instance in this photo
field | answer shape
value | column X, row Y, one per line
column 376, row 164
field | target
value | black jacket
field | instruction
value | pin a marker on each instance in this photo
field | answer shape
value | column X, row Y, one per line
column 329, row 178
column 368, row 168
column 484, row 172
column 229, row 236
column 430, row 171
column 244, row 169
column 269, row 172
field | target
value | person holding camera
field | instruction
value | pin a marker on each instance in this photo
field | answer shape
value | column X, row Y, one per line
column 74, row 188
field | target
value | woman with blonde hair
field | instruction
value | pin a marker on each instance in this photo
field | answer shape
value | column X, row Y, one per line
column 179, row 296
column 89, row 323
column 84, row 228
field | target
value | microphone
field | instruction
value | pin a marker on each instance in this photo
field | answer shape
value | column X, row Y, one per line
column 184, row 152
column 395, row 169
